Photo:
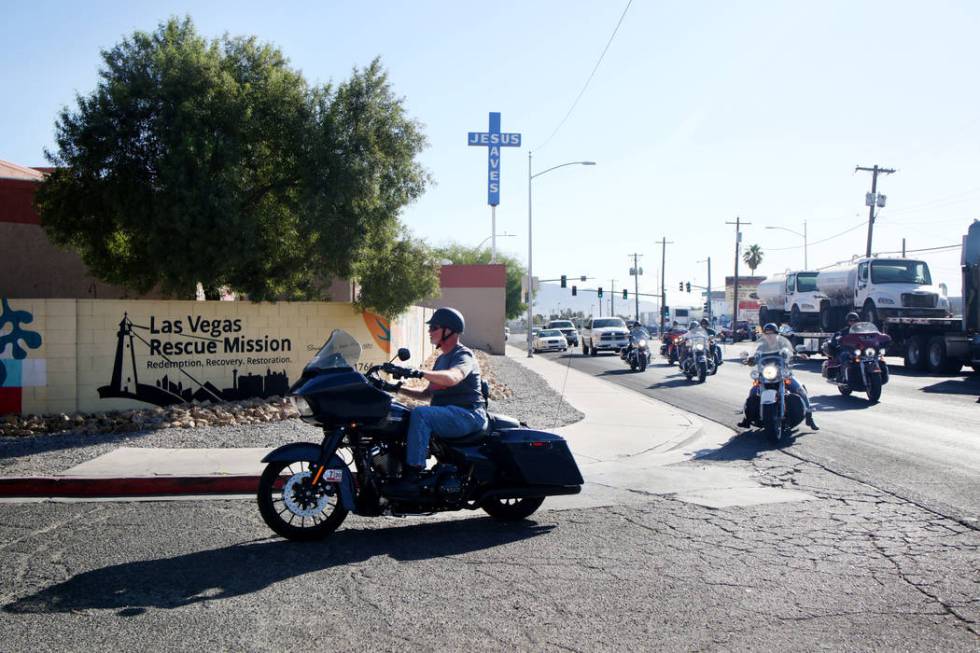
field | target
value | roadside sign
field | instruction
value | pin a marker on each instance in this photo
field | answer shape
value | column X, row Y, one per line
column 493, row 140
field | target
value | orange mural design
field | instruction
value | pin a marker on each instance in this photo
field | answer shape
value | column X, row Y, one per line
column 380, row 329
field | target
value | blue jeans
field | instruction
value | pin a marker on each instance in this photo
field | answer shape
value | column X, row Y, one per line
column 446, row 421
column 797, row 387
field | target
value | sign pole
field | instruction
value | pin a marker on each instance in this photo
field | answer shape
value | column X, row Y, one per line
column 493, row 234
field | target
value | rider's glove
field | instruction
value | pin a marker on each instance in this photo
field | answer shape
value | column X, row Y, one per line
column 415, row 374
column 391, row 387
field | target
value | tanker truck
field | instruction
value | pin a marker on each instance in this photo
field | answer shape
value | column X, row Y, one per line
column 792, row 297
column 879, row 288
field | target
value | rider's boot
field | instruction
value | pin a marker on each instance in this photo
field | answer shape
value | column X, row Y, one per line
column 745, row 423
column 409, row 486
column 809, row 422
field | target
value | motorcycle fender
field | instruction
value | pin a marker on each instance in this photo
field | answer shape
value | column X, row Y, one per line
column 311, row 452
column 768, row 396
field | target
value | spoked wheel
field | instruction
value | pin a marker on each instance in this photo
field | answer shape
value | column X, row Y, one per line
column 295, row 509
column 511, row 509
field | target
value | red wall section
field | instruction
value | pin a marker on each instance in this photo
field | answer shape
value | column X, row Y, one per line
column 473, row 276
column 17, row 201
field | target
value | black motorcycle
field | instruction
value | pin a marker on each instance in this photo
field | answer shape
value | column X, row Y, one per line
column 637, row 353
column 307, row 489
column 773, row 404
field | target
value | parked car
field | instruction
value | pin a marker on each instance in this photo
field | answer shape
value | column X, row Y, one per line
column 604, row 334
column 567, row 329
column 549, row 340
column 744, row 331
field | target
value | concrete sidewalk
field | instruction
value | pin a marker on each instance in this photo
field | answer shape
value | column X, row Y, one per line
column 628, row 446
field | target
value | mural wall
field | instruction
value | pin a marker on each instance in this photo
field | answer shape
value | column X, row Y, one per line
column 98, row 355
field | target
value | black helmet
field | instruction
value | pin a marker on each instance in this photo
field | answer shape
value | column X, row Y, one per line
column 770, row 327
column 704, row 321
column 448, row 318
column 852, row 317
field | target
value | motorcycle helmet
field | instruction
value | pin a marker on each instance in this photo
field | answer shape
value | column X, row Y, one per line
column 448, row 318
column 852, row 317
column 786, row 330
column 770, row 328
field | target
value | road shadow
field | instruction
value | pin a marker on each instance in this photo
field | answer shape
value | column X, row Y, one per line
column 965, row 386
column 625, row 370
column 250, row 567
column 746, row 445
column 677, row 380
column 831, row 403
column 17, row 447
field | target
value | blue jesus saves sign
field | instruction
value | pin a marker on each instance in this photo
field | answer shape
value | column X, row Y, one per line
column 493, row 140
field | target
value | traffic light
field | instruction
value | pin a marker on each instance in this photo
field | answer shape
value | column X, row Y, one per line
column 624, row 293
column 563, row 281
column 681, row 288
column 665, row 311
column 574, row 291
column 688, row 286
column 600, row 292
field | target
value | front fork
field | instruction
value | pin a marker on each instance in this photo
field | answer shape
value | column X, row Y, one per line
column 331, row 441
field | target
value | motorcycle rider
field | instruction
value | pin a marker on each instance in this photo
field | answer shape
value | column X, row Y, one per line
column 457, row 407
column 715, row 348
column 834, row 344
column 770, row 334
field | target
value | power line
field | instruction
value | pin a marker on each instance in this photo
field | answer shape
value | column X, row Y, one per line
column 591, row 75
column 822, row 240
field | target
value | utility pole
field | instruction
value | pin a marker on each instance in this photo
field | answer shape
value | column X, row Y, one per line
column 636, row 272
column 738, row 243
column 709, row 291
column 873, row 198
column 612, row 298
column 663, row 275
column 903, row 248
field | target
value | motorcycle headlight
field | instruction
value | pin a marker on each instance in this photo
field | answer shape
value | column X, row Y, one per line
column 301, row 405
column 769, row 372
column 642, row 343
column 857, row 352
column 699, row 346
column 870, row 351
column 755, row 375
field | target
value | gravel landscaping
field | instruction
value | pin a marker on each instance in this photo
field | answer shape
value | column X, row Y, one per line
column 517, row 392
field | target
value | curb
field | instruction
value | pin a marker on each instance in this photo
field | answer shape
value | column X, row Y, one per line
column 81, row 487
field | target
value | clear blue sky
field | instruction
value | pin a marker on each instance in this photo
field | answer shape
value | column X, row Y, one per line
column 699, row 112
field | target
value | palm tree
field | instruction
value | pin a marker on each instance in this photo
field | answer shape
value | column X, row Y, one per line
column 753, row 257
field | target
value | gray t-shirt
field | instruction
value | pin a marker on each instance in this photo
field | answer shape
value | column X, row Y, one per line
column 466, row 393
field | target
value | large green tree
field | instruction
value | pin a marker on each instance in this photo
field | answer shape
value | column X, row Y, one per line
column 463, row 255
column 216, row 162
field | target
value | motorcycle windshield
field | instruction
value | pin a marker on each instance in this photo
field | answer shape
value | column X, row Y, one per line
column 639, row 334
column 864, row 328
column 773, row 344
column 340, row 350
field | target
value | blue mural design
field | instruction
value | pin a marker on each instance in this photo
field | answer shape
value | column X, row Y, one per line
column 31, row 339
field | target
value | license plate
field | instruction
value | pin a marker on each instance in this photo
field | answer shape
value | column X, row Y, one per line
column 768, row 396
column 333, row 475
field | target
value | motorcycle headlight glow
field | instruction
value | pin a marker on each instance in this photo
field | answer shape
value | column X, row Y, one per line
column 302, row 406
column 699, row 346
column 769, row 372
column 642, row 343
column 870, row 351
column 857, row 352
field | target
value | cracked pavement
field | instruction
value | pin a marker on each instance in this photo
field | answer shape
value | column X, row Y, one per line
column 855, row 569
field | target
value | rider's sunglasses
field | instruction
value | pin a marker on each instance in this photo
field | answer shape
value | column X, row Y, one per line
column 434, row 327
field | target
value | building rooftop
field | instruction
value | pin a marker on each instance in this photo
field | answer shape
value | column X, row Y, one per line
column 10, row 170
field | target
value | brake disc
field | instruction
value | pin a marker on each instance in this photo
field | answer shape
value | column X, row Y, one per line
column 311, row 508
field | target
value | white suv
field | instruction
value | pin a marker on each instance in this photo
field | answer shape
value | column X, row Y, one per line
column 604, row 334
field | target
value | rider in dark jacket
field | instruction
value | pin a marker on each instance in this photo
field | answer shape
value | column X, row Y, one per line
column 834, row 344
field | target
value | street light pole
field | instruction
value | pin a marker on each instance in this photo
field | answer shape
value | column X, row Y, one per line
column 806, row 260
column 493, row 255
column 530, row 274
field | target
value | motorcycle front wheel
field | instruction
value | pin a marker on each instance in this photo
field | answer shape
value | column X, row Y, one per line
column 293, row 508
column 773, row 428
column 844, row 390
column 702, row 372
column 643, row 363
column 874, row 388
column 511, row 509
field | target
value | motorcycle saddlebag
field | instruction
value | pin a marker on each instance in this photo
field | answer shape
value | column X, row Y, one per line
column 537, row 458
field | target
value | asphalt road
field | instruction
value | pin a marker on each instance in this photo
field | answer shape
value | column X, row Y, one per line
column 921, row 442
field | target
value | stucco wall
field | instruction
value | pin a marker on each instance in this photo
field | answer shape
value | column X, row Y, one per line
column 479, row 293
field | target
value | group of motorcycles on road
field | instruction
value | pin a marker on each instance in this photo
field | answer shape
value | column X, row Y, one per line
column 776, row 403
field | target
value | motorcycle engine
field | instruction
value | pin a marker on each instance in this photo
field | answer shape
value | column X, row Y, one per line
column 386, row 461
column 449, row 485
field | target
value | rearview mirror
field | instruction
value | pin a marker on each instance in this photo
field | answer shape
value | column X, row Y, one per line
column 800, row 348
column 404, row 354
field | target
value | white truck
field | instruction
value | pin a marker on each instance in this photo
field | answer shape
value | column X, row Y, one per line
column 879, row 288
column 604, row 334
column 792, row 297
